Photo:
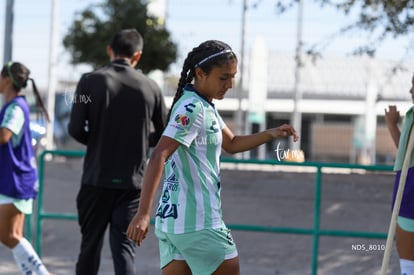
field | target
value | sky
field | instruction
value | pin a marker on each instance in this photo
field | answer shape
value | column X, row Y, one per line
column 190, row 22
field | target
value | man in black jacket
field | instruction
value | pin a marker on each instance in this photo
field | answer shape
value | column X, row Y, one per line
column 114, row 110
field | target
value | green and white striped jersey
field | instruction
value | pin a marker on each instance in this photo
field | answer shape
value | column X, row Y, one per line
column 190, row 199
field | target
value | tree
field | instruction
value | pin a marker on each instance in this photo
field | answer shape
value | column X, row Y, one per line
column 94, row 27
column 381, row 19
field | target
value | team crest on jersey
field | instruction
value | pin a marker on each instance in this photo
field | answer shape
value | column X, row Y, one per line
column 182, row 119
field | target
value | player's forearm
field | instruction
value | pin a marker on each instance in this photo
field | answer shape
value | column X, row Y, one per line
column 248, row 142
column 150, row 184
column 395, row 133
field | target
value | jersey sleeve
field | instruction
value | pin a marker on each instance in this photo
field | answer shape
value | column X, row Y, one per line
column 13, row 119
column 185, row 122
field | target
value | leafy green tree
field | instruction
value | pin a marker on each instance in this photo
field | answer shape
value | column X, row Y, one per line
column 94, row 27
column 381, row 19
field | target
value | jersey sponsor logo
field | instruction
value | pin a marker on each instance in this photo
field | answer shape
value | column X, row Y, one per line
column 213, row 126
column 165, row 196
column 172, row 178
column 172, row 186
column 189, row 107
column 166, row 209
column 182, row 119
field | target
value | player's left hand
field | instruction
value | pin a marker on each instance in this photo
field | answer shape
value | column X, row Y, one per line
column 286, row 130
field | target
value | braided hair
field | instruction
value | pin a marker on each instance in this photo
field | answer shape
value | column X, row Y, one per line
column 206, row 56
column 19, row 75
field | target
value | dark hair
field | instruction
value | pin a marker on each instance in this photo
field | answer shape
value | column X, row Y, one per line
column 127, row 42
column 209, row 54
column 19, row 75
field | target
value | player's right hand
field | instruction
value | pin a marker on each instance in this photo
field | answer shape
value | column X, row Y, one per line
column 138, row 228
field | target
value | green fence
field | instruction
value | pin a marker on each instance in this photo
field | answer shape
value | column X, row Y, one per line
column 315, row 231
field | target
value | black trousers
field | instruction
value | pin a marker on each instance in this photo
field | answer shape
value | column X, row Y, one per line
column 97, row 208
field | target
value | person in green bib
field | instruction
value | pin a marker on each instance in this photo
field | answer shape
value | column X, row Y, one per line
column 18, row 170
column 193, row 238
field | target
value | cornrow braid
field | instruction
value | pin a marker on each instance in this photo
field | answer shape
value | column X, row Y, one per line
column 187, row 75
column 209, row 54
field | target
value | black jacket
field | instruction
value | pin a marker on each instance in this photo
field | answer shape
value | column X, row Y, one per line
column 112, row 111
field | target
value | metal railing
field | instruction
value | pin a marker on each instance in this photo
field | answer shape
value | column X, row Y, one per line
column 315, row 231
